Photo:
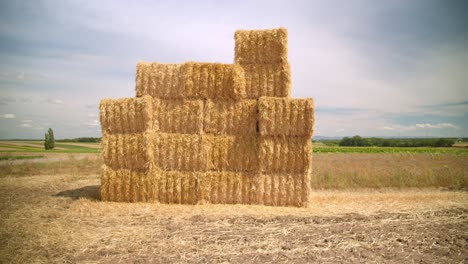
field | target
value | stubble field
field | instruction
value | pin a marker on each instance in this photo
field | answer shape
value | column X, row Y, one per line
column 364, row 208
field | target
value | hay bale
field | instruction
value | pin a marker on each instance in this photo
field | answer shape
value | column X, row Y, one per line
column 190, row 80
column 231, row 153
column 223, row 187
column 178, row 116
column 214, row 81
column 230, row 117
column 261, row 46
column 285, row 154
column 127, row 115
column 124, row 185
column 120, row 185
column 160, row 80
column 272, row 80
column 283, row 116
column 182, row 152
column 126, row 151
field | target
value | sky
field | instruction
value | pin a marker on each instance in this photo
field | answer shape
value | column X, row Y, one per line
column 374, row 68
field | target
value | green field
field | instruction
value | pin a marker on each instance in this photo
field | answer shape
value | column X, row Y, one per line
column 38, row 146
column 320, row 148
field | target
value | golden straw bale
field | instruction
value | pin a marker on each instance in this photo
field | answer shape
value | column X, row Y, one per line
column 272, row 80
column 127, row 115
column 124, row 185
column 230, row 117
column 178, row 116
column 126, row 151
column 285, row 154
column 160, row 80
column 182, row 152
column 214, row 80
column 261, row 46
column 190, row 80
column 222, row 187
column 284, row 116
column 231, row 153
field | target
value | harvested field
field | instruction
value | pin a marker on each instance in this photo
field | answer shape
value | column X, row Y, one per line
column 59, row 218
column 53, row 213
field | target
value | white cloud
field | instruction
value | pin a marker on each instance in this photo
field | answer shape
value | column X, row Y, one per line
column 27, row 121
column 8, row 116
column 388, row 128
column 441, row 125
column 92, row 115
column 25, row 125
column 93, row 123
column 54, row 101
column 340, row 130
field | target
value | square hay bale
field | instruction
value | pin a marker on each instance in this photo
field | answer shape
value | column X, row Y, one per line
column 160, row 80
column 127, row 115
column 181, row 152
column 122, row 185
column 223, row 187
column 285, row 189
column 285, row 154
column 178, row 116
column 214, row 80
column 177, row 187
column 272, row 80
column 230, row 117
column 261, row 46
column 190, row 80
column 231, row 153
column 284, row 116
column 127, row 151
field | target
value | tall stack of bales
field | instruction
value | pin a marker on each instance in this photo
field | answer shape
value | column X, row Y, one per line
column 211, row 132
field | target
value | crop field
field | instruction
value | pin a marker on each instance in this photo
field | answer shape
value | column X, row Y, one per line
column 365, row 207
column 38, row 146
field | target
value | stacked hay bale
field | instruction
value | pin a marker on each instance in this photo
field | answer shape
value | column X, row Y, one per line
column 211, row 132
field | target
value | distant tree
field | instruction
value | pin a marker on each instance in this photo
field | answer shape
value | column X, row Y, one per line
column 47, row 142
column 51, row 139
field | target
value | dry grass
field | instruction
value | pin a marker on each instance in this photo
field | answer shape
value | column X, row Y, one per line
column 358, row 170
column 56, row 217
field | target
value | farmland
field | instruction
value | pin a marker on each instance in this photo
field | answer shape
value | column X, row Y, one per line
column 365, row 207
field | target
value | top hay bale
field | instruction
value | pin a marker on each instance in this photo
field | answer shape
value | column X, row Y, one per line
column 261, row 46
column 190, row 80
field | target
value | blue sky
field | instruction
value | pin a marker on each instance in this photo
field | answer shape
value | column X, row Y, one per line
column 374, row 68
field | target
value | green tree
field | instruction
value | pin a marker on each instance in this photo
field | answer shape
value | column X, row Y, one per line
column 46, row 141
column 51, row 139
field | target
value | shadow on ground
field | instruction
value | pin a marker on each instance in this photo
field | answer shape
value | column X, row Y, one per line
column 89, row 192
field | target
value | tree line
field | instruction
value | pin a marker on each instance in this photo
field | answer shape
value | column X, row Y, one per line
column 82, row 140
column 359, row 141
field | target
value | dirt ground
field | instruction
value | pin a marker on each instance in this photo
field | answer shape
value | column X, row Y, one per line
column 59, row 219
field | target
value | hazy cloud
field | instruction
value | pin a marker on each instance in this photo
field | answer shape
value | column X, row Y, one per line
column 8, row 116
column 442, row 125
column 54, row 101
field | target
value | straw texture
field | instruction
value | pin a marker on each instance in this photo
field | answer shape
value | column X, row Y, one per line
column 230, row 117
column 178, row 116
column 284, row 116
column 126, row 151
column 190, row 80
column 127, row 115
column 272, row 80
column 285, row 154
column 231, row 153
column 182, row 152
column 261, row 46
